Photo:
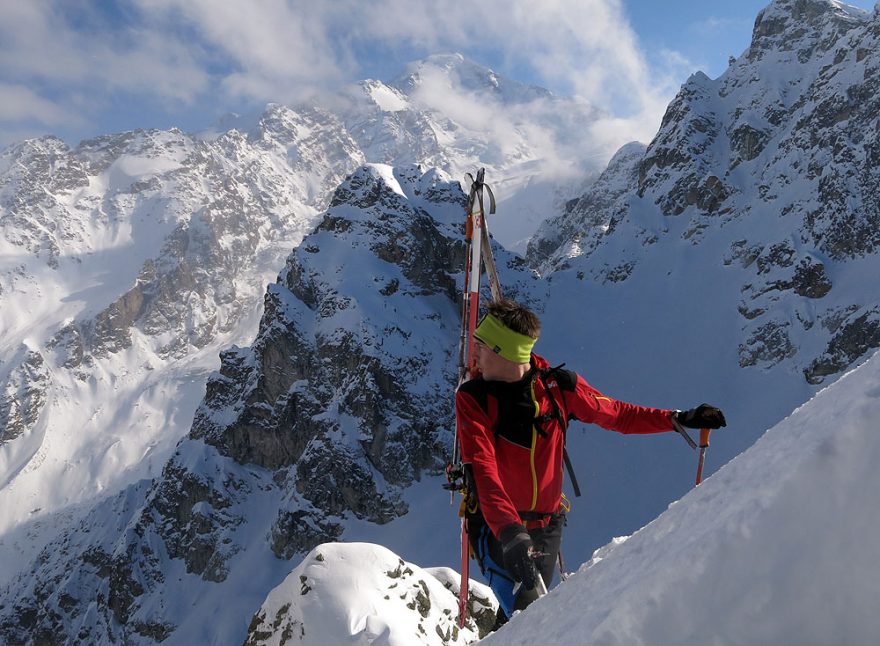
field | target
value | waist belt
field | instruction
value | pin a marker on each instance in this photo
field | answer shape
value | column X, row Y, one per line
column 534, row 519
column 536, row 515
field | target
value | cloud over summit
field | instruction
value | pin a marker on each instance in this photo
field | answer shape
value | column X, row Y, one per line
column 79, row 64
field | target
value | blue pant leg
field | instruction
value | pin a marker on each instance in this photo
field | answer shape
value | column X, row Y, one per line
column 496, row 576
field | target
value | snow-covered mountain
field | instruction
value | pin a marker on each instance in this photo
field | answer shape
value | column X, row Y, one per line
column 321, row 426
column 708, row 265
column 774, row 165
column 128, row 263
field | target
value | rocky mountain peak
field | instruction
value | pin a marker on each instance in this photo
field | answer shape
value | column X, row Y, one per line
column 585, row 220
column 802, row 26
column 782, row 149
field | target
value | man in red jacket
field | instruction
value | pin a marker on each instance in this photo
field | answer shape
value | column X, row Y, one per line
column 512, row 434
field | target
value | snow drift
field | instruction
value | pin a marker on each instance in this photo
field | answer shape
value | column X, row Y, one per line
column 360, row 593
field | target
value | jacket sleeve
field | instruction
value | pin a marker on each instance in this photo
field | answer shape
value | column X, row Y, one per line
column 478, row 449
column 589, row 405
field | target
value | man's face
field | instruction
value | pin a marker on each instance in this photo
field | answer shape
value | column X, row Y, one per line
column 491, row 365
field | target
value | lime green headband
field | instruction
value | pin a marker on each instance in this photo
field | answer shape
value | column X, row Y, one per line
column 511, row 345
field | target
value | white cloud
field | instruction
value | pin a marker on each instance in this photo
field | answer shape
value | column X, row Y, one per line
column 583, row 47
column 185, row 51
column 41, row 42
column 289, row 47
column 19, row 103
column 43, row 45
column 275, row 50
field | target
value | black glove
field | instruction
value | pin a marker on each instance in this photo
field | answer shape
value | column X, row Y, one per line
column 703, row 416
column 517, row 550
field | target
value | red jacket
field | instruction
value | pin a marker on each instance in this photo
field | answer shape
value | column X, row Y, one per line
column 515, row 456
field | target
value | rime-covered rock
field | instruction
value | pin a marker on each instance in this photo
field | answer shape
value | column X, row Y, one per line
column 345, row 592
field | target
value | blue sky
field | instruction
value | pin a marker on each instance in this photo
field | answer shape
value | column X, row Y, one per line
column 78, row 69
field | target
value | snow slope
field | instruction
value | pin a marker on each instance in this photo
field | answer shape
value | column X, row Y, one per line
column 778, row 547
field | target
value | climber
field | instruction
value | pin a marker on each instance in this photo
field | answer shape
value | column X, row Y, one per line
column 512, row 421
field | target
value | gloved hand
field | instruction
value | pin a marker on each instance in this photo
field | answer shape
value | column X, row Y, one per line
column 517, row 550
column 703, row 416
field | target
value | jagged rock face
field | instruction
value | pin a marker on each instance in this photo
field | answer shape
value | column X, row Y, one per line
column 341, row 402
column 579, row 229
column 323, row 348
column 229, row 203
column 855, row 339
column 785, row 143
column 38, row 172
column 100, row 572
column 23, row 396
column 680, row 174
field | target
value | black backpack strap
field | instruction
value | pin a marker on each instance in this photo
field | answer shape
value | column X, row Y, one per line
column 563, row 419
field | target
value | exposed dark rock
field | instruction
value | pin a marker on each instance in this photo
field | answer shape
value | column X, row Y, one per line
column 23, row 396
column 195, row 512
column 850, row 343
column 768, row 345
column 300, row 531
column 747, row 142
column 810, row 279
column 780, row 255
column 744, row 252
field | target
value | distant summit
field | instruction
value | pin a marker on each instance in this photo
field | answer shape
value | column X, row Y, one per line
column 465, row 75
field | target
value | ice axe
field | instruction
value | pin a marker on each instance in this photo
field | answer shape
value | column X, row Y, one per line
column 540, row 588
column 704, row 444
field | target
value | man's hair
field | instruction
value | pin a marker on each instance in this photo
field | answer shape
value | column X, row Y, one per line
column 516, row 317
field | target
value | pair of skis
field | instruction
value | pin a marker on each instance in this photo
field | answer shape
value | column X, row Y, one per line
column 479, row 255
column 478, row 258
